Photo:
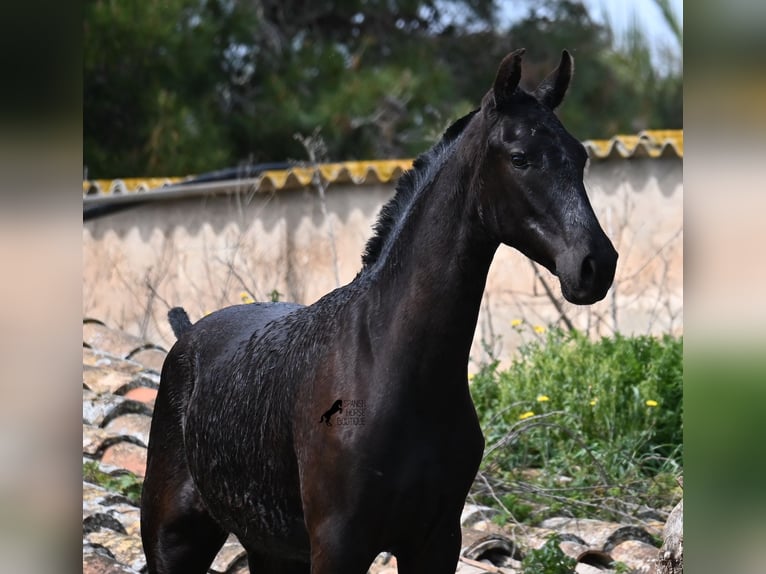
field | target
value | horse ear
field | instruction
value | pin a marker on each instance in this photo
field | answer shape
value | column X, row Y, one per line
column 552, row 89
column 508, row 76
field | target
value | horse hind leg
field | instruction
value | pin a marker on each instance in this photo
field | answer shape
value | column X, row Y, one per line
column 178, row 533
column 259, row 563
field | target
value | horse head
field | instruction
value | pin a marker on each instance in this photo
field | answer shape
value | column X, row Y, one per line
column 532, row 195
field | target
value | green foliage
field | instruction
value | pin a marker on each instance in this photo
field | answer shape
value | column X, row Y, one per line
column 186, row 86
column 616, row 88
column 548, row 559
column 597, row 420
column 518, row 509
column 127, row 483
column 152, row 75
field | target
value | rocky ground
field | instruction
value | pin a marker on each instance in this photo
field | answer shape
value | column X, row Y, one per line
column 120, row 381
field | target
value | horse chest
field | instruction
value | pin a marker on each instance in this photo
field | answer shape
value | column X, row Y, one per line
column 428, row 447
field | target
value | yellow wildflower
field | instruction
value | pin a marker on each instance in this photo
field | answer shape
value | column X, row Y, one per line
column 246, row 297
column 539, row 329
column 516, row 322
column 543, row 398
column 526, row 415
column 651, row 403
column 471, row 376
column 593, row 402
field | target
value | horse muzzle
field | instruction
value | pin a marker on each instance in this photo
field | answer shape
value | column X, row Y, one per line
column 586, row 277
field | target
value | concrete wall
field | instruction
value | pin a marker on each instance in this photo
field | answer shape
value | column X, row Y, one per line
column 203, row 252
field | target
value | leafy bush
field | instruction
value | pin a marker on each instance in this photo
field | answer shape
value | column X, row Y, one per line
column 572, row 419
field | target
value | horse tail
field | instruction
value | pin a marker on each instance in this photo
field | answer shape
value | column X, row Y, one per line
column 179, row 321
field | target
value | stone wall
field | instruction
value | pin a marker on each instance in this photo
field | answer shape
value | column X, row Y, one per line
column 203, row 252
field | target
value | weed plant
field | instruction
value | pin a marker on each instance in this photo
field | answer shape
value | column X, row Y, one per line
column 548, row 559
column 125, row 483
column 582, row 427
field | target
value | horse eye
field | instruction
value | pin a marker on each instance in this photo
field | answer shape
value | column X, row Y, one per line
column 519, row 160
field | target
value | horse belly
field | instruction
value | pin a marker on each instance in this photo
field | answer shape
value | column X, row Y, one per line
column 260, row 507
column 242, row 462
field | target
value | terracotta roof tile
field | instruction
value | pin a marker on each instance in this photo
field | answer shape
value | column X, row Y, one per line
column 105, row 380
column 142, row 395
column 151, row 357
column 127, row 455
column 597, row 533
column 94, row 440
column 95, row 498
column 640, row 556
column 132, row 424
column 96, row 560
column 126, row 550
column 112, row 341
column 96, row 407
column 231, row 553
column 126, row 406
column 647, row 143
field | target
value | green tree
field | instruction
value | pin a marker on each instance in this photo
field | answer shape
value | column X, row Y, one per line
column 185, row 86
column 366, row 72
column 616, row 88
column 191, row 85
column 153, row 78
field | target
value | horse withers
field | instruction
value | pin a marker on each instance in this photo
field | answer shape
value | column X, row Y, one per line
column 240, row 441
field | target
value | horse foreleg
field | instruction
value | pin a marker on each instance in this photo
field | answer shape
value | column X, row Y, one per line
column 438, row 555
column 337, row 547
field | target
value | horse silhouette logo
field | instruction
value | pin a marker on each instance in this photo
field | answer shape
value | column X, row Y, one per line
column 337, row 407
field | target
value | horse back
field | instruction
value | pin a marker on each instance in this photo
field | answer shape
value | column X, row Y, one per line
column 209, row 346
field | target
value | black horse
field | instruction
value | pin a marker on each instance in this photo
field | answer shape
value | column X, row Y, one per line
column 235, row 445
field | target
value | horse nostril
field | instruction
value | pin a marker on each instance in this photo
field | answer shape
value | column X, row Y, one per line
column 587, row 270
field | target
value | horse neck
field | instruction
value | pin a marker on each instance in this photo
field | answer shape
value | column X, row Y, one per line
column 431, row 280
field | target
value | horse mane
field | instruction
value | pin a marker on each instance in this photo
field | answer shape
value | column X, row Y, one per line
column 407, row 187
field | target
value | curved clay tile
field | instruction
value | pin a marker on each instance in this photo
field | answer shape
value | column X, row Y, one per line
column 625, row 533
column 639, row 556
column 124, row 407
column 93, row 439
column 149, row 355
column 105, row 380
column 127, row 455
column 133, row 425
column 149, row 379
column 228, row 557
column 96, row 560
column 111, row 341
column 145, row 395
column 126, row 550
column 96, row 407
column 498, row 549
column 597, row 534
